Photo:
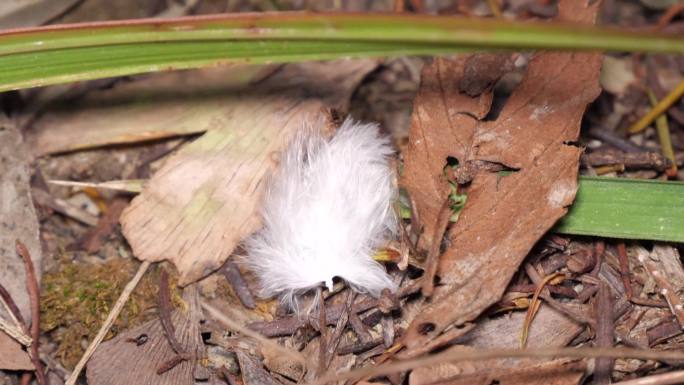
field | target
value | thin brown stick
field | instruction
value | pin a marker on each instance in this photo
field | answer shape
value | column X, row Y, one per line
column 111, row 317
column 670, row 14
column 599, row 250
column 34, row 297
column 165, row 313
column 323, row 328
column 359, row 328
column 605, row 330
column 488, row 354
column 234, row 277
column 165, row 309
column 334, row 341
column 624, row 269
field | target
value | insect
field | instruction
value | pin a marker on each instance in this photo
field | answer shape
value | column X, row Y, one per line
column 325, row 212
column 139, row 340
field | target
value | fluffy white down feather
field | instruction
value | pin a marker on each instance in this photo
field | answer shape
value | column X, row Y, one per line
column 325, row 213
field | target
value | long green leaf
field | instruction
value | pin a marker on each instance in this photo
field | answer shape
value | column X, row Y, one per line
column 64, row 53
column 627, row 208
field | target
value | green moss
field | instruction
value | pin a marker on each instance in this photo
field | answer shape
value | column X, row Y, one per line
column 76, row 299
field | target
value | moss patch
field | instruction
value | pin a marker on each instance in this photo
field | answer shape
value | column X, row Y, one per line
column 76, row 299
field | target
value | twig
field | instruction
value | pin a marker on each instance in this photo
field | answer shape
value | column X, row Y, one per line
column 111, row 317
column 658, row 109
column 630, row 160
column 167, row 325
column 667, row 17
column 239, row 285
column 323, row 329
column 165, row 313
column 171, row 363
column 599, row 250
column 624, row 269
column 530, row 288
column 605, row 330
column 358, row 347
column 19, row 331
column 663, row 131
column 488, row 354
column 336, row 336
column 657, row 379
column 34, row 297
column 63, row 207
column 360, row 329
column 440, row 341
column 609, row 137
column 222, row 318
column 666, row 289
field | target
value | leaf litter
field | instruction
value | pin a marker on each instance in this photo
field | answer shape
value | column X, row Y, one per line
column 513, row 161
column 504, row 216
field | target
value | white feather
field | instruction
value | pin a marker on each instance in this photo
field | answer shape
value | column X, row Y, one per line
column 325, row 213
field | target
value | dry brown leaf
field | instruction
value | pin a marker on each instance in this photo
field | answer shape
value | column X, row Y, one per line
column 12, row 356
column 503, row 216
column 17, row 217
column 154, row 107
column 549, row 329
column 204, row 200
column 122, row 361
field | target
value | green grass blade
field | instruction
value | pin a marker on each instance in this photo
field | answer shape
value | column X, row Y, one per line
column 63, row 53
column 86, row 63
column 627, row 208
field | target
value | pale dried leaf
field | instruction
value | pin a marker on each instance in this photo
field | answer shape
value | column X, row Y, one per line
column 205, row 199
column 120, row 361
column 504, row 216
column 549, row 329
column 17, row 217
column 154, row 107
column 12, row 356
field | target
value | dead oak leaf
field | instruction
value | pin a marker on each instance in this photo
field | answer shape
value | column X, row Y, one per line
column 504, row 216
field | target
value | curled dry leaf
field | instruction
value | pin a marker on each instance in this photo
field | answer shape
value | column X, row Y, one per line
column 504, row 216
column 549, row 329
column 135, row 356
column 204, row 200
